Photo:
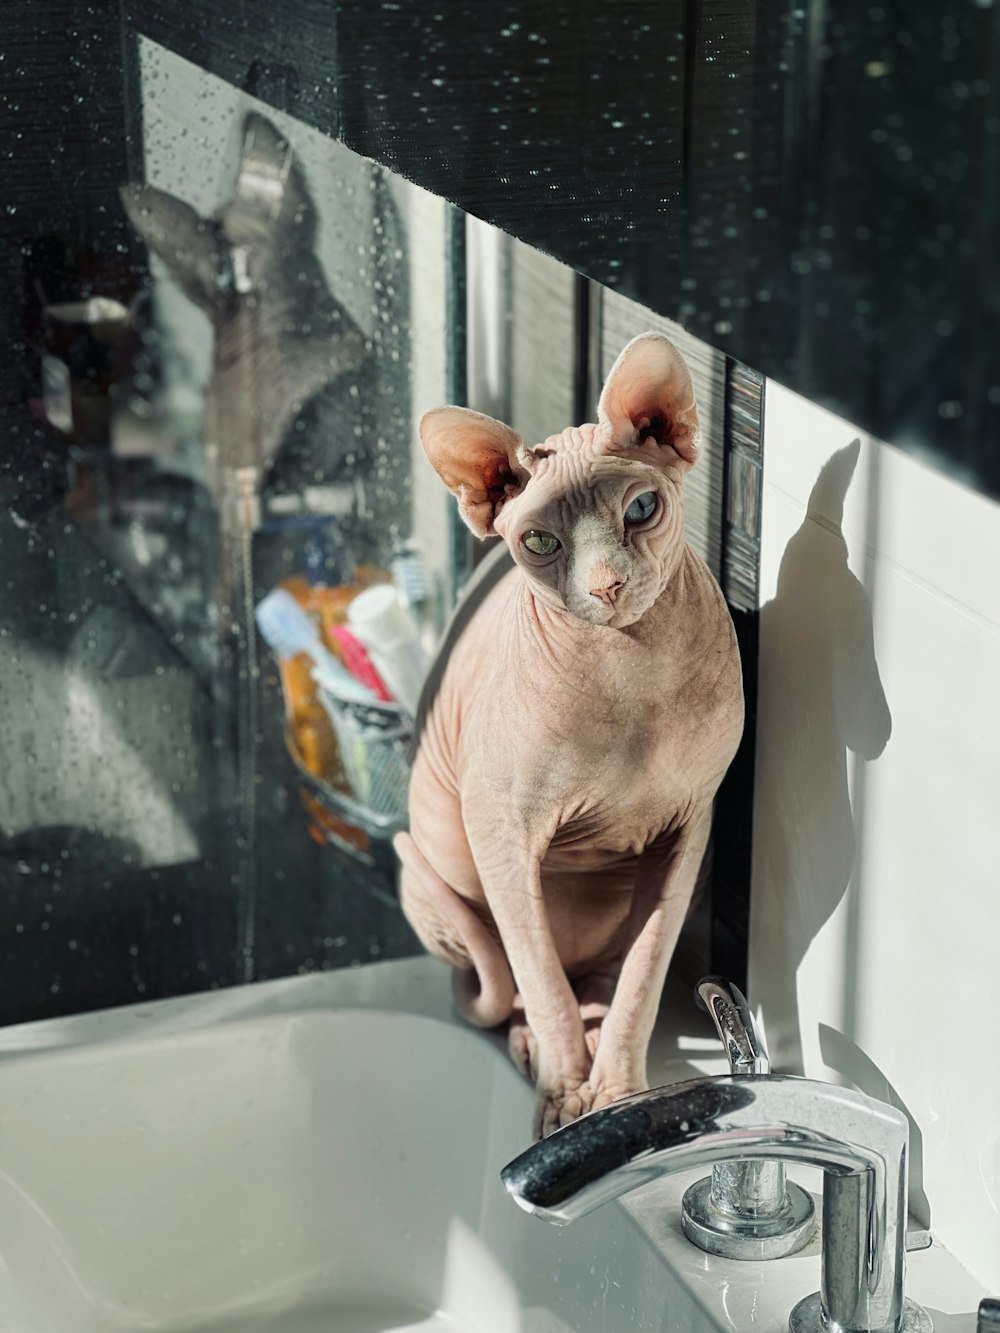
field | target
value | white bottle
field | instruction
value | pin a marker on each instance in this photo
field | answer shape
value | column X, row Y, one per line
column 391, row 638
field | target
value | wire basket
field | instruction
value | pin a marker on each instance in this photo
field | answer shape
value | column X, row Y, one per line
column 374, row 742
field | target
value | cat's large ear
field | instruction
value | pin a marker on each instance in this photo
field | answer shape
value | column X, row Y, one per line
column 648, row 396
column 478, row 459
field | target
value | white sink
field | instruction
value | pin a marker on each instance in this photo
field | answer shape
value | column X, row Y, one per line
column 248, row 1162
column 307, row 1172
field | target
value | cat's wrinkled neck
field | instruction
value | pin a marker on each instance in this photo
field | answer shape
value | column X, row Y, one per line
column 556, row 633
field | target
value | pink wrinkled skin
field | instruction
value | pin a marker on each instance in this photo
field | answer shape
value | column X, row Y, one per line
column 579, row 727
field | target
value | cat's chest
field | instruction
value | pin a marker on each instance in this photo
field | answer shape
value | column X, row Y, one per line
column 640, row 704
column 616, row 747
column 595, row 719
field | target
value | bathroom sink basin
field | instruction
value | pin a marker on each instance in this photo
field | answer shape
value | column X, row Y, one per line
column 313, row 1172
column 312, row 1156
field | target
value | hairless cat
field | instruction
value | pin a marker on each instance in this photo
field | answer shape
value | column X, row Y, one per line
column 562, row 789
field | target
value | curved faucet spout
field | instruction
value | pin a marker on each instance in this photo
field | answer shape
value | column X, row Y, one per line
column 859, row 1143
column 727, row 1006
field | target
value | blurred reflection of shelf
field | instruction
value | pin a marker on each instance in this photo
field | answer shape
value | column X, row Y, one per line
column 340, row 803
column 338, row 818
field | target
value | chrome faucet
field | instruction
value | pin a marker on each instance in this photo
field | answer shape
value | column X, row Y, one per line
column 860, row 1144
column 745, row 1209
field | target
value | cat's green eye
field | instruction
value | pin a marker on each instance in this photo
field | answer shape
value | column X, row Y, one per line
column 641, row 507
column 540, row 543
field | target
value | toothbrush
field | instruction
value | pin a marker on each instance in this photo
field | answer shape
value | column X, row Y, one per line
column 359, row 663
column 287, row 630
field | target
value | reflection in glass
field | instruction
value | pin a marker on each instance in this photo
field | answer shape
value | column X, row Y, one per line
column 222, row 389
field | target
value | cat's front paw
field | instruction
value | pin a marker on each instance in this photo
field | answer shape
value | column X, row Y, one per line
column 561, row 1105
column 605, row 1094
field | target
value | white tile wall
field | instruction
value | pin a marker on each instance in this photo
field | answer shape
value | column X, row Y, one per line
column 875, row 932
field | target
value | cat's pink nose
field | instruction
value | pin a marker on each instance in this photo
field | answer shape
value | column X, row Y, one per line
column 605, row 582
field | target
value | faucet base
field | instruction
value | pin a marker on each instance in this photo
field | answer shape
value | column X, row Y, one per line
column 720, row 1232
column 807, row 1317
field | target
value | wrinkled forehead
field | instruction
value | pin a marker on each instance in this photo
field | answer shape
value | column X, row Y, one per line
column 575, row 441
column 586, row 455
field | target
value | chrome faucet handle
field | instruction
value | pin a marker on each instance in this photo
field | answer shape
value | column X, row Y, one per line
column 744, row 1210
column 989, row 1316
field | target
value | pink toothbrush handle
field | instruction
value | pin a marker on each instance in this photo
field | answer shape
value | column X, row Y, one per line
column 358, row 663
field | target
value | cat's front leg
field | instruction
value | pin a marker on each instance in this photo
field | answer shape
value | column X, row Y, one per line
column 508, row 849
column 555, row 1052
column 593, row 991
column 665, row 881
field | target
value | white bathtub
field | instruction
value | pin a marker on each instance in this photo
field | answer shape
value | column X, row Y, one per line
column 293, row 1157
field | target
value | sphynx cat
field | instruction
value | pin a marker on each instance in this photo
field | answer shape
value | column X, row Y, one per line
column 563, row 785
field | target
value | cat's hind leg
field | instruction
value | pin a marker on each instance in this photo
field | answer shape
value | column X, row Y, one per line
column 450, row 930
column 594, row 992
column 521, row 1043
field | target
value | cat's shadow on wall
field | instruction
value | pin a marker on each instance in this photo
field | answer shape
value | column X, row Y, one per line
column 822, row 708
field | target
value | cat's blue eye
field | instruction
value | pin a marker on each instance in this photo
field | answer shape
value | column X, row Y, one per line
column 641, row 507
